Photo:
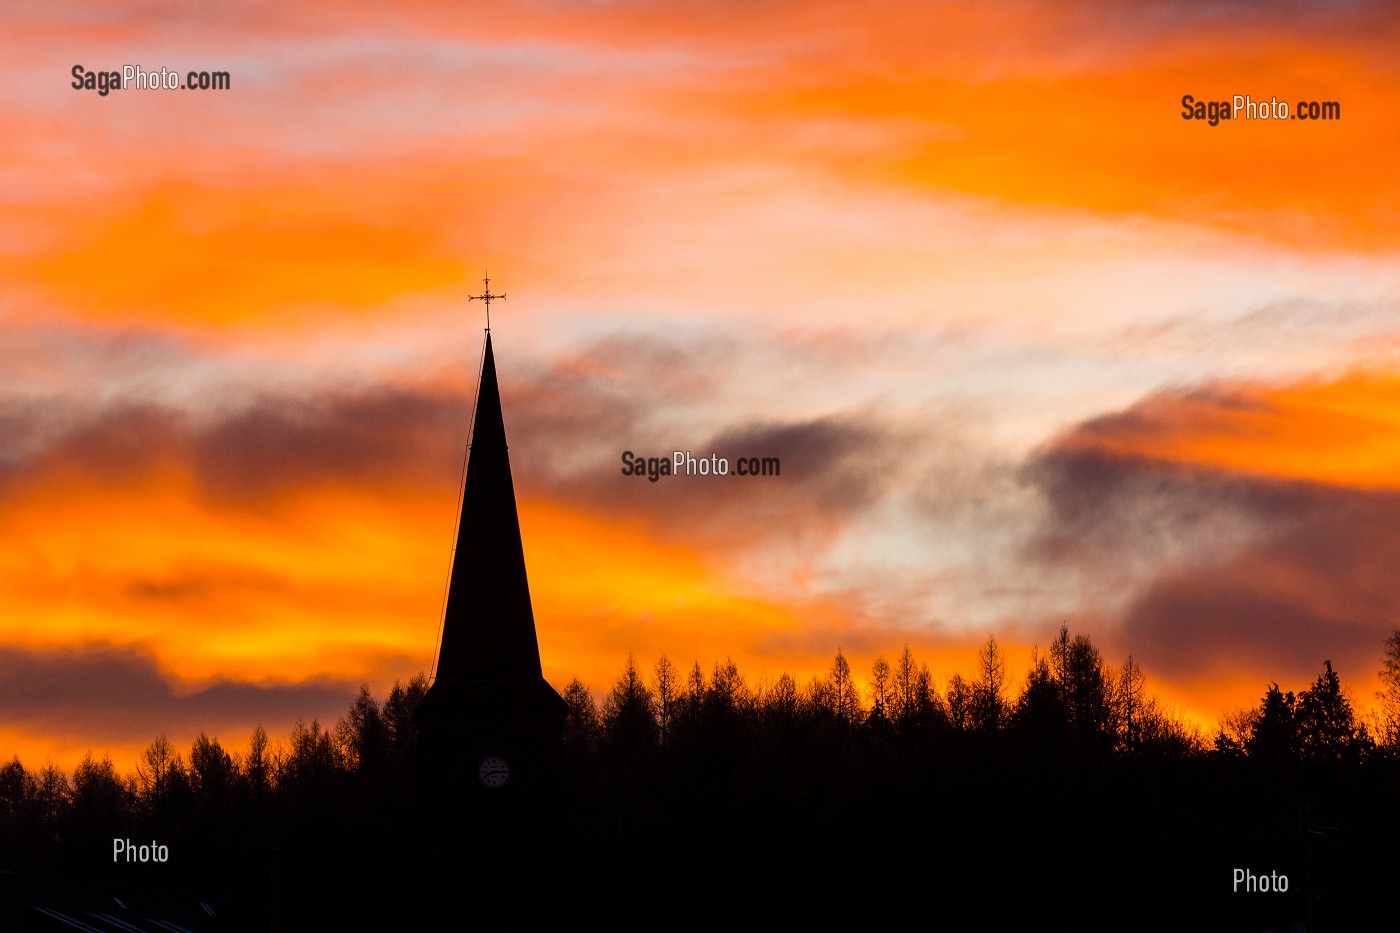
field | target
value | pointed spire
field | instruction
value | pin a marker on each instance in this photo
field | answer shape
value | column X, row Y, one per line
column 488, row 630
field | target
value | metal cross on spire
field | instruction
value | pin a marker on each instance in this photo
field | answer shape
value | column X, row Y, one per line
column 487, row 297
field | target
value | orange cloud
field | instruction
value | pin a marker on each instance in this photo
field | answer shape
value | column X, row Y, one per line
column 1024, row 107
column 1112, row 139
column 328, row 585
column 1345, row 432
column 186, row 252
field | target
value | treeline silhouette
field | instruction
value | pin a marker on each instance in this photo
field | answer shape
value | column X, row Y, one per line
column 1064, row 799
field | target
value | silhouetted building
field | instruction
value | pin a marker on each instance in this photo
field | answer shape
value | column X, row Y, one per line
column 490, row 726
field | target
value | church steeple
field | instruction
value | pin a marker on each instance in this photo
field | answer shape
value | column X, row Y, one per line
column 489, row 706
column 488, row 630
column 490, row 728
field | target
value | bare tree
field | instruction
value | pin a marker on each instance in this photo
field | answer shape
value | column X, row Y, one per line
column 1389, row 694
column 1077, row 667
column 1234, row 732
column 312, row 761
column 843, row 696
column 1129, row 697
column 960, row 703
column 211, row 768
column 728, row 694
column 258, row 766
column 817, row 695
column 880, row 688
column 628, row 716
column 363, row 736
column 692, row 698
column 1040, row 709
column 99, row 796
column 16, row 787
column 988, row 690
column 398, row 713
column 158, row 771
column 51, row 790
column 783, row 699
column 582, row 727
column 904, row 693
column 666, row 691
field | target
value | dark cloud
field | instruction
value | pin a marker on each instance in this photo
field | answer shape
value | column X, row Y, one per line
column 117, row 695
column 830, row 469
column 273, row 443
column 1124, row 19
column 122, row 444
column 1247, row 572
column 1106, row 506
column 624, row 389
column 267, row 448
column 20, row 430
column 379, row 435
column 568, row 425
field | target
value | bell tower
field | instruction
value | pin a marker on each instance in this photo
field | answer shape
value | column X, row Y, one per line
column 490, row 728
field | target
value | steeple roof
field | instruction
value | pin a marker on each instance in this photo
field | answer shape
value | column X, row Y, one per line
column 488, row 632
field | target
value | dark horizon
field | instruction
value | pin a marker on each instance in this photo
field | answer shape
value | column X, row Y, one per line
column 677, row 747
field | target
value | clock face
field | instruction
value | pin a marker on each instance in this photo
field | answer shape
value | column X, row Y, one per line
column 494, row 772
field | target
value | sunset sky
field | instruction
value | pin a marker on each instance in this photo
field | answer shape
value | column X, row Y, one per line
column 1033, row 349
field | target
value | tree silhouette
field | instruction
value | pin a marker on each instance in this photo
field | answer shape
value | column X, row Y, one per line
column 728, row 695
column 667, row 692
column 1161, row 735
column 1130, row 703
column 52, row 792
column 922, row 710
column 733, row 791
column 99, row 806
column 961, row 703
column 582, row 727
column 160, row 778
column 782, row 700
column 1327, row 726
column 397, row 714
column 1389, row 694
column 692, row 700
column 1040, row 716
column 629, row 719
column 16, row 787
column 1273, row 732
column 904, row 692
column 363, row 736
column 258, row 765
column 988, row 705
column 841, row 697
column 311, row 763
column 880, row 687
column 1077, row 667
column 211, row 769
